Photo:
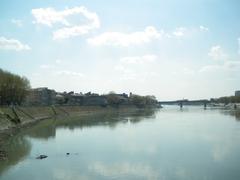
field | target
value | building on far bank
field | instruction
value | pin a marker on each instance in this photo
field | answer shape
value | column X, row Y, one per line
column 45, row 97
column 123, row 99
column 41, row 96
column 75, row 99
column 237, row 93
column 95, row 100
column 79, row 99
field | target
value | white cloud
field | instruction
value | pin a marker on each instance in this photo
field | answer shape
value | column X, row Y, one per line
column 188, row 71
column 137, row 67
column 139, row 59
column 126, row 73
column 12, row 44
column 58, row 61
column 186, row 31
column 210, row 68
column 69, row 73
column 179, row 32
column 129, row 76
column 46, row 66
column 122, row 68
column 126, row 39
column 232, row 64
column 203, row 28
column 64, row 33
column 226, row 66
column 17, row 22
column 49, row 17
column 217, row 53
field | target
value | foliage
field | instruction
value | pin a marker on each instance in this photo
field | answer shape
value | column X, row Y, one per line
column 137, row 100
column 13, row 88
column 113, row 98
column 227, row 99
column 150, row 100
column 142, row 101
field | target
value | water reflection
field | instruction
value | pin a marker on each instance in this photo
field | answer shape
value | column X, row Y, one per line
column 17, row 149
column 18, row 146
column 235, row 113
column 172, row 144
column 124, row 169
column 47, row 129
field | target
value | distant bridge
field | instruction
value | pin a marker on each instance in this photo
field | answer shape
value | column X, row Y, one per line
column 186, row 102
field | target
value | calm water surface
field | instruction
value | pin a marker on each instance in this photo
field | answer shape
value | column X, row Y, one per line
column 171, row 144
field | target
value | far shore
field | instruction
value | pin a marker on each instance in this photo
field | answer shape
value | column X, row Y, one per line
column 29, row 116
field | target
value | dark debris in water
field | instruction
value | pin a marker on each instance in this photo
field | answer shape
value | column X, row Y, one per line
column 72, row 153
column 41, row 157
column 45, row 156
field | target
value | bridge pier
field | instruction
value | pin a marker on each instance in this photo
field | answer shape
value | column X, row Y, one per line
column 235, row 106
column 205, row 105
column 181, row 105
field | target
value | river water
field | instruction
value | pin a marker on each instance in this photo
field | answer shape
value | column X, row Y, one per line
column 171, row 144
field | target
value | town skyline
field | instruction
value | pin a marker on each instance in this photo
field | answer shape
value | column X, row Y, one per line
column 160, row 48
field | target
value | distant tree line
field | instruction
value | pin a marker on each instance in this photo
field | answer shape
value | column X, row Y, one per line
column 142, row 101
column 227, row 99
column 114, row 99
column 13, row 88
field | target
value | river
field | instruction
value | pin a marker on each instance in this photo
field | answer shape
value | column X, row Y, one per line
column 167, row 144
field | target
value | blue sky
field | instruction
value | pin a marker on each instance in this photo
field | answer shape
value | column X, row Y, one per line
column 172, row 49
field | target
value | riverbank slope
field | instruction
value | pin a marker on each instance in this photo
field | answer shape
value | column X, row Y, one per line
column 18, row 117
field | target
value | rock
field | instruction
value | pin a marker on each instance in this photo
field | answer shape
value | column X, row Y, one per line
column 3, row 155
column 41, row 157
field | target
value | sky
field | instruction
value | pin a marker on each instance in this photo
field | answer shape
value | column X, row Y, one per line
column 171, row 49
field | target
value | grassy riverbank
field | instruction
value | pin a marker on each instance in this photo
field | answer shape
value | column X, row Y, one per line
column 31, row 115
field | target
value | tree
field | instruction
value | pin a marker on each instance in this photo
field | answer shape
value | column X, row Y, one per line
column 227, row 99
column 13, row 88
column 143, row 101
column 113, row 98
column 139, row 101
column 151, row 100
